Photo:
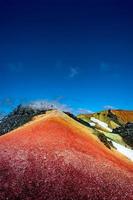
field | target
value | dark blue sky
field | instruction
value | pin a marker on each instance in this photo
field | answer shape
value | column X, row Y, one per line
column 80, row 52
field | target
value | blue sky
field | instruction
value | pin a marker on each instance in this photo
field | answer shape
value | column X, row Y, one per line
column 77, row 52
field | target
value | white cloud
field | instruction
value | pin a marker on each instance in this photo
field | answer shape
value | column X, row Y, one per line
column 73, row 72
column 84, row 111
column 109, row 107
column 44, row 104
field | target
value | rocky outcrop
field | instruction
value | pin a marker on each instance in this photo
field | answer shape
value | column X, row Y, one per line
column 20, row 116
column 126, row 132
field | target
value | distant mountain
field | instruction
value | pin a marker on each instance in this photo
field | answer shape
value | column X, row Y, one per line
column 114, row 124
column 114, row 118
column 48, row 154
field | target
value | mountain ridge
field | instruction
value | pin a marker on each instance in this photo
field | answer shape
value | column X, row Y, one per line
column 51, row 149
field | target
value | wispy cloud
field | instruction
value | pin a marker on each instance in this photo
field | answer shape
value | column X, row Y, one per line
column 84, row 111
column 45, row 104
column 73, row 72
column 15, row 67
column 107, row 107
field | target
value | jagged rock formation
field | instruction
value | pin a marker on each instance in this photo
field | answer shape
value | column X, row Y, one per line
column 20, row 116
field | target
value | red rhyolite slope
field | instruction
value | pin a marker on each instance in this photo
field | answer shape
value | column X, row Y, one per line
column 56, row 158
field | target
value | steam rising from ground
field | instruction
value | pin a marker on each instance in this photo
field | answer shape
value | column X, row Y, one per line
column 46, row 105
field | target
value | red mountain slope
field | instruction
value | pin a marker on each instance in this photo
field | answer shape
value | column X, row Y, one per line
column 56, row 158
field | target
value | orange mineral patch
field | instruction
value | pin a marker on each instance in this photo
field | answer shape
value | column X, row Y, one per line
column 124, row 115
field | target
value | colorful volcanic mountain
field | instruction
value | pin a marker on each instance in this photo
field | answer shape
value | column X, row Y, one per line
column 116, row 125
column 54, row 155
